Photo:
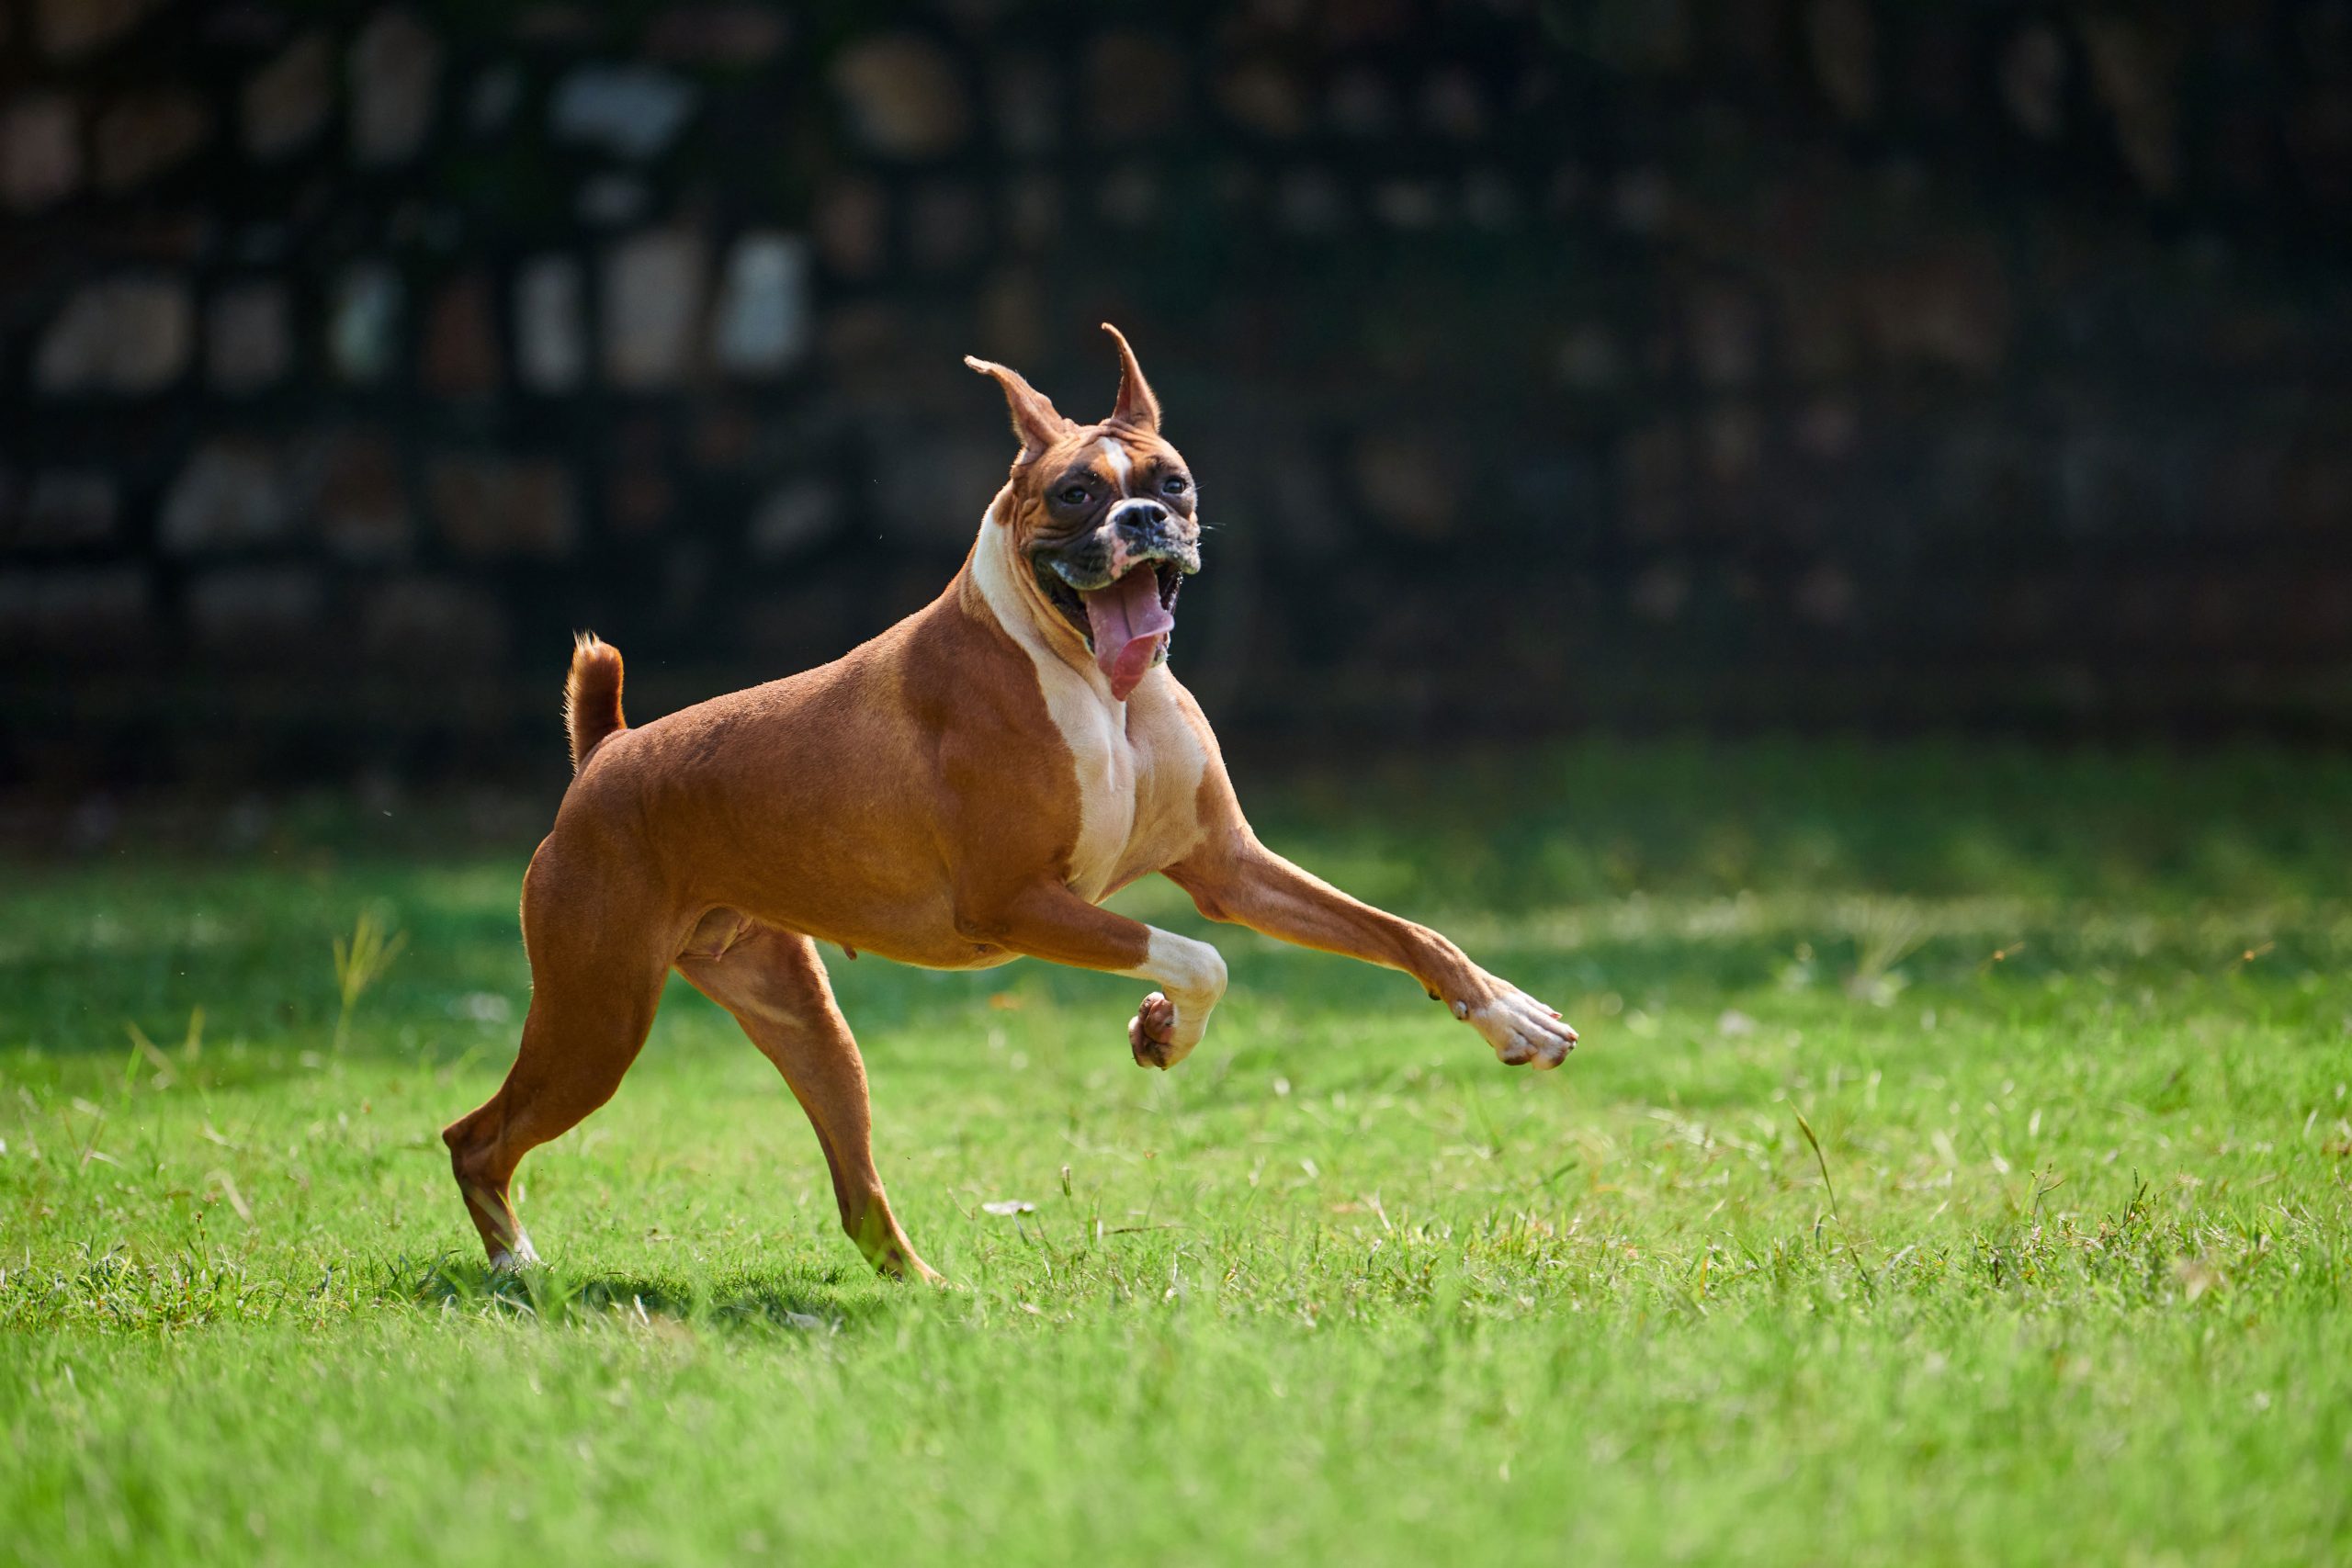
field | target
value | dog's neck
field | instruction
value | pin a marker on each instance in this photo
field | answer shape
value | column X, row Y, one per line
column 992, row 590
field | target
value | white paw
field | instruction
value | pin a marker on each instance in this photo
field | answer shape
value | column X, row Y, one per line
column 513, row 1259
column 1158, row 1035
column 1524, row 1031
column 1172, row 1019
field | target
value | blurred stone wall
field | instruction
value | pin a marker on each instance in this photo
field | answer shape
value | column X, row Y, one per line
column 1639, row 363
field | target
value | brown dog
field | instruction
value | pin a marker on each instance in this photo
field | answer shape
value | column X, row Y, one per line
column 961, row 790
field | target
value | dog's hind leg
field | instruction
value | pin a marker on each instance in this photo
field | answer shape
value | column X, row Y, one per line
column 774, row 983
column 594, row 991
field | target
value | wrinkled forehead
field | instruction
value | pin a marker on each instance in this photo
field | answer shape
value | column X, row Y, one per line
column 1116, row 458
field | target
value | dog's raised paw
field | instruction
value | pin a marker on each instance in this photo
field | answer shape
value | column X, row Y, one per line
column 1151, row 1034
column 1524, row 1031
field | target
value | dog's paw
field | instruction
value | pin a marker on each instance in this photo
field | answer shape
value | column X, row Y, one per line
column 1151, row 1034
column 516, row 1259
column 1524, row 1031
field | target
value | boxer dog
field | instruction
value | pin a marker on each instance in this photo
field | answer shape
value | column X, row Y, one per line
column 964, row 790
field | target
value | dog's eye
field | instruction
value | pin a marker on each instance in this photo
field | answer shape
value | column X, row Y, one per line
column 1073, row 495
column 1174, row 484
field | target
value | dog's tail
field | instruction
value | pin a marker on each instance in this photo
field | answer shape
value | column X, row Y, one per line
column 592, row 696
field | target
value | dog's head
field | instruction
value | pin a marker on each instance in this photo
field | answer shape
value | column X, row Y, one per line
column 1102, row 518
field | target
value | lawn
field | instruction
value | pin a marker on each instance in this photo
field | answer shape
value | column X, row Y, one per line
column 1958, row 1167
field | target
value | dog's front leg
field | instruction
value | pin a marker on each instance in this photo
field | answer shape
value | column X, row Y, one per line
column 1053, row 923
column 1238, row 879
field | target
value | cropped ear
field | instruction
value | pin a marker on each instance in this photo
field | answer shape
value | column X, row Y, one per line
column 1136, row 408
column 1036, row 421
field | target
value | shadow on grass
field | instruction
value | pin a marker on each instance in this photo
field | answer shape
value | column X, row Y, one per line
column 825, row 1302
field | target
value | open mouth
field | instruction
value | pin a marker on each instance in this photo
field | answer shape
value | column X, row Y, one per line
column 1126, row 621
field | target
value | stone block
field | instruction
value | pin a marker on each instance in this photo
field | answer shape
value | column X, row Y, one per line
column 1025, row 104
column 1818, row 328
column 2314, row 479
column 248, row 337
column 1843, row 43
column 74, row 609
column 946, row 226
column 491, row 508
column 72, row 29
column 1012, row 316
column 1411, row 481
column 550, row 332
column 40, row 151
column 1643, row 201
column 793, row 520
column 561, row 24
column 652, row 307
column 639, row 500
column 1654, row 465
column 129, row 335
column 1826, row 429
column 1659, row 593
column 724, row 438
column 796, row 622
column 492, row 100
column 1360, row 104
column 1491, row 201
column 357, row 497
column 363, row 322
column 1731, row 448
column 65, row 509
column 2135, row 70
column 459, row 356
column 611, row 201
column 902, row 96
column 285, row 103
column 1454, row 105
column 1827, row 596
column 1589, row 361
column 2315, row 610
column 148, row 134
column 1264, row 96
column 1722, row 327
column 2033, row 81
column 230, row 495
column 721, row 35
column 936, row 502
column 853, row 226
column 1136, row 84
column 639, row 497
column 1408, row 205
column 433, row 624
column 761, row 326
column 1947, row 308
column 1311, row 203
column 255, row 608
column 395, row 66
column 1299, row 491
column 1637, row 36
column 630, row 111
column 1033, row 211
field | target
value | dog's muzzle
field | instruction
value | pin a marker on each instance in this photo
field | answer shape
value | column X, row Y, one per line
column 1117, row 585
column 1135, row 533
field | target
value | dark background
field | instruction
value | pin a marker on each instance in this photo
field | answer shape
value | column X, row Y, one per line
column 1630, row 364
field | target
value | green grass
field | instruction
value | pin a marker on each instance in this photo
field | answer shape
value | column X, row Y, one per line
column 2066, row 1280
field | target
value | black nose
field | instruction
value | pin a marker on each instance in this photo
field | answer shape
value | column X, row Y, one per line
column 1138, row 519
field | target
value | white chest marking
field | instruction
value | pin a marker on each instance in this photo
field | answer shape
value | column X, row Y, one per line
column 1116, row 455
column 1092, row 724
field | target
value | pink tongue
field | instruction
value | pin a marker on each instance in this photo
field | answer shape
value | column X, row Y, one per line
column 1128, row 621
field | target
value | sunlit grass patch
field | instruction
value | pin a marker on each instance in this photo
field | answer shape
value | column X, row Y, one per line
column 1958, row 1168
